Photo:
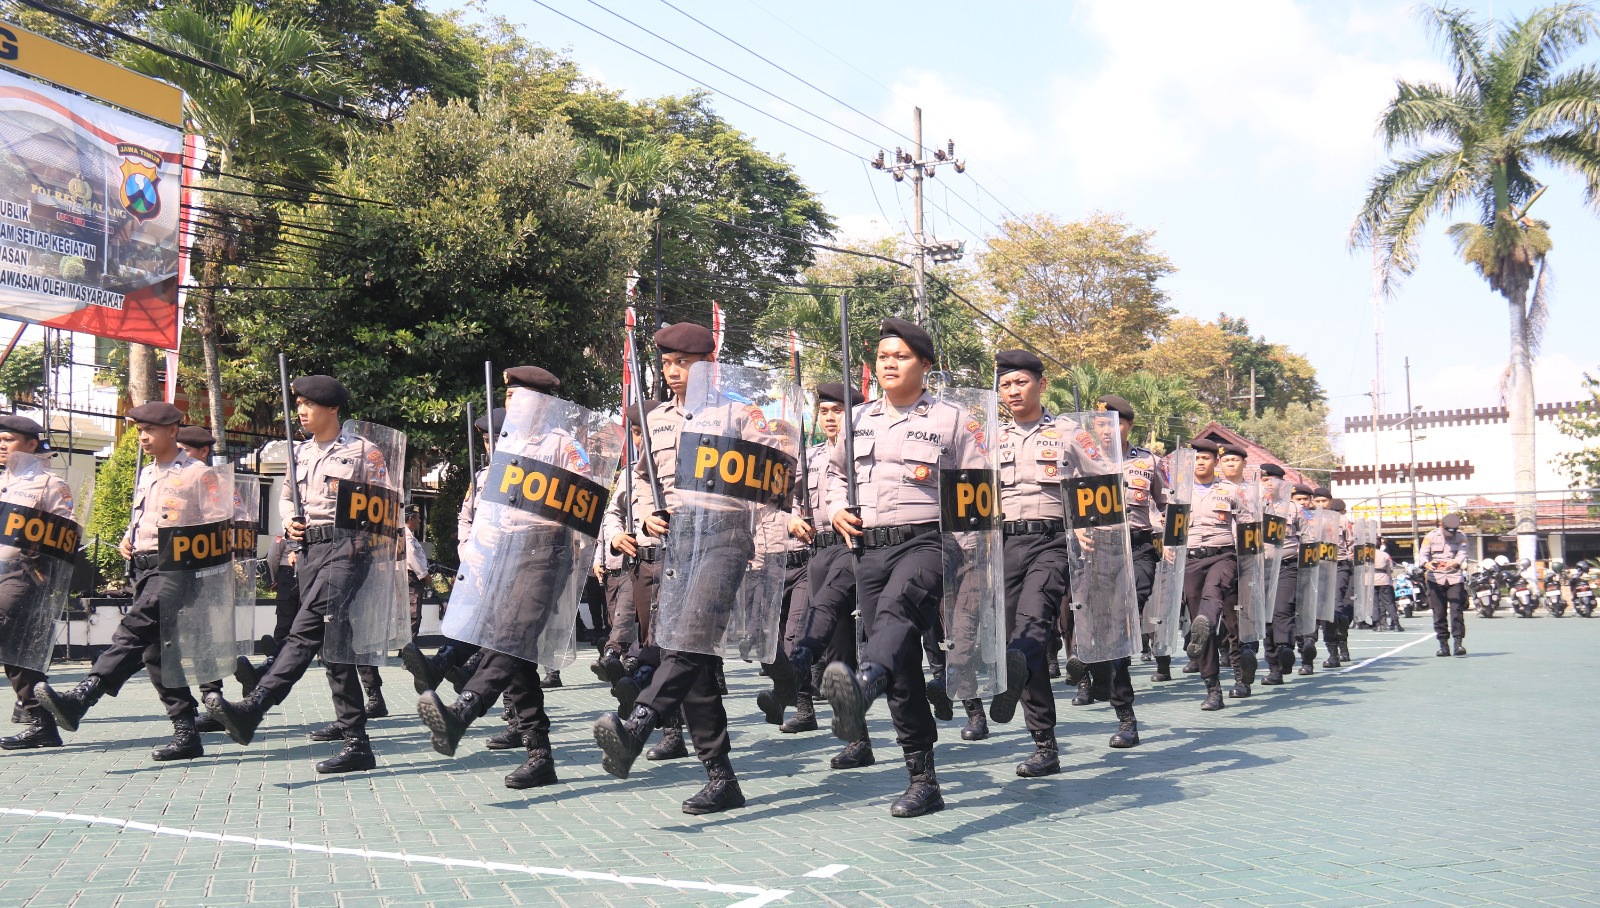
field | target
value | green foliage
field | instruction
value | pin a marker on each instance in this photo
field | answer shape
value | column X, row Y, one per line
column 113, row 505
column 1298, row 435
column 1166, row 410
column 1583, row 466
column 22, row 376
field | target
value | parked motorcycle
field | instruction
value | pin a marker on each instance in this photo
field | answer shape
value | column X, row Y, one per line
column 1521, row 589
column 1580, row 579
column 1405, row 589
column 1483, row 585
column 1554, row 579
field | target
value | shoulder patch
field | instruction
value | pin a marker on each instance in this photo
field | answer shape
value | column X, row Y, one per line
column 976, row 428
column 1086, row 441
column 757, row 418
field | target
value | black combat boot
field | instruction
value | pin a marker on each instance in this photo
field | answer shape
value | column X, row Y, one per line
column 333, row 731
column 19, row 716
column 356, row 756
column 68, row 708
column 804, row 718
column 459, row 675
column 448, row 723
column 1460, row 650
column 1308, row 655
column 550, row 681
column 1076, row 669
column 1248, row 663
column 1083, row 697
column 185, row 743
column 1274, row 675
column 608, row 668
column 1444, row 647
column 1240, row 690
column 1285, row 660
column 977, row 723
column 540, row 768
column 1213, row 695
column 771, row 707
column 1003, row 707
column 721, row 791
column 247, row 674
column 207, row 723
column 426, row 673
column 1344, row 651
column 1163, row 669
column 629, row 686
column 1333, row 660
column 1195, row 644
column 40, row 732
column 506, row 739
column 376, row 707
column 922, row 795
column 621, row 739
column 671, row 746
column 855, row 755
column 1046, row 759
column 1127, row 734
column 850, row 694
column 944, row 709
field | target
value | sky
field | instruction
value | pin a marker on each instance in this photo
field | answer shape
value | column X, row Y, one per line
column 1241, row 133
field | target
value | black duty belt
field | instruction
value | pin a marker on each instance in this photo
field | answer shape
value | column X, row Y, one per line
column 796, row 558
column 315, row 535
column 1347, row 562
column 1033, row 527
column 650, row 554
column 1141, row 537
column 825, row 539
column 1208, row 551
column 148, row 561
column 889, row 537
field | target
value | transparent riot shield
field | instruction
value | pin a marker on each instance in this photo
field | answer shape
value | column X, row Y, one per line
column 1250, row 551
column 533, row 535
column 1275, row 505
column 1104, row 595
column 246, row 559
column 373, row 618
column 1163, row 610
column 1309, row 578
column 195, row 573
column 973, row 606
column 737, row 456
column 38, row 548
column 1361, row 576
column 1327, row 563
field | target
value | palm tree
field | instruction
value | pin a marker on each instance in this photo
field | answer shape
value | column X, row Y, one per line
column 251, row 132
column 1166, row 410
column 1473, row 144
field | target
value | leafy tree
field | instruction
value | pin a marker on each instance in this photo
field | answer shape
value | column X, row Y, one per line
column 1583, row 466
column 112, row 507
column 1085, row 291
column 1215, row 359
column 22, row 375
column 1298, row 434
column 1165, row 408
column 1473, row 144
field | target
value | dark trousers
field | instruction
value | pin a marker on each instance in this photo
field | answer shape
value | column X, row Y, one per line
column 1036, row 581
column 414, row 590
column 330, row 573
column 1207, row 584
column 137, row 643
column 1115, row 674
column 646, row 581
column 686, row 684
column 620, row 612
column 796, row 596
column 900, row 588
column 499, row 674
column 1281, row 630
column 22, row 682
column 1384, row 613
column 287, row 605
column 1344, row 606
column 20, row 618
column 1449, row 602
column 828, row 620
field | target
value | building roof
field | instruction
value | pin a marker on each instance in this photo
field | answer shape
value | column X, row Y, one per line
column 1259, row 454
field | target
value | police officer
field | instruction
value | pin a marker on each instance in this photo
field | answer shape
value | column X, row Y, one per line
column 1385, row 616
column 416, row 566
column 616, row 565
column 1305, row 501
column 137, row 641
column 1444, row 551
column 1337, row 633
column 826, row 630
column 43, row 491
column 332, row 568
column 685, row 685
column 902, row 441
column 1230, row 468
column 1280, row 630
column 1211, row 573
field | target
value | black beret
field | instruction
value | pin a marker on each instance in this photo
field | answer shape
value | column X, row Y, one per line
column 1017, row 360
column 499, row 417
column 1204, row 444
column 1336, row 504
column 531, row 377
column 1322, row 492
column 20, row 425
column 1301, row 488
column 413, row 510
column 1451, row 521
column 156, row 413
column 920, row 342
column 1224, row 450
column 321, row 389
column 685, row 337
column 633, row 412
column 1272, row 469
column 195, row 437
column 1118, row 405
column 834, row 391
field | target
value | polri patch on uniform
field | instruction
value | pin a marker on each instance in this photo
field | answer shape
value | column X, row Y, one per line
column 1051, row 433
column 1051, row 470
column 758, row 419
column 921, row 472
column 1049, row 454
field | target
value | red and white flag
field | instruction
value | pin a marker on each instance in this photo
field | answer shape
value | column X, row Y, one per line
column 716, row 328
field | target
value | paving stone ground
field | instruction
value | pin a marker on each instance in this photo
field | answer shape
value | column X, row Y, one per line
column 1412, row 780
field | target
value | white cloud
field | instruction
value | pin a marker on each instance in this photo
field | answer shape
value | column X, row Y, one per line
column 1557, row 377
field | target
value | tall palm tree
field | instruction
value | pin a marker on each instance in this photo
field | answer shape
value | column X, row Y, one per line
column 251, row 133
column 1473, row 145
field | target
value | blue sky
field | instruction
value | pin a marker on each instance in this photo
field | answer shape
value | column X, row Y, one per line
column 1241, row 133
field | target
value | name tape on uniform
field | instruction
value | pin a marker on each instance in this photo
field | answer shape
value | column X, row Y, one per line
column 1247, row 538
column 747, row 470
column 1095, row 501
column 367, row 508
column 1276, row 529
column 546, row 490
column 1176, row 531
column 969, row 500
column 193, row 548
column 36, row 532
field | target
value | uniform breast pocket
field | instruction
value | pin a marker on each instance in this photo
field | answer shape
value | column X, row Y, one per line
column 1008, row 467
column 864, row 459
column 337, row 468
column 921, row 471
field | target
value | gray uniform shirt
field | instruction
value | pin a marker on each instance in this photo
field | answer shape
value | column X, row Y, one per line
column 1035, row 458
column 1382, row 568
column 148, row 514
column 38, row 488
column 1444, row 545
column 318, row 468
column 1146, row 489
column 898, row 456
column 1211, row 516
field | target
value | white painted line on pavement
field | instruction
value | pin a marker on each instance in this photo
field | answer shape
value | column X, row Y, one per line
column 1366, row 662
column 758, row 896
column 831, row 870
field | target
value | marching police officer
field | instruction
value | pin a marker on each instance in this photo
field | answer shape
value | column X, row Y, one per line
column 1337, row 633
column 1444, row 551
column 616, row 564
column 902, row 441
column 1280, row 631
column 1212, row 571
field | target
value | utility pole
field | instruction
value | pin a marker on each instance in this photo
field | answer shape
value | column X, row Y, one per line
column 919, row 167
column 1411, row 469
column 1252, row 395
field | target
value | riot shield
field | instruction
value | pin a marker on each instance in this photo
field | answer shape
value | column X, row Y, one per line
column 1361, row 577
column 1250, row 550
column 1310, row 578
column 246, row 560
column 1104, row 595
column 1327, row 563
column 195, row 573
column 375, row 617
column 38, row 549
column 973, row 606
column 533, row 535
column 737, row 457
column 1163, row 610
column 1275, row 513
